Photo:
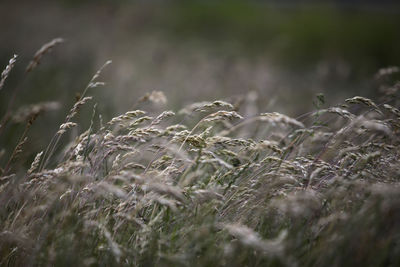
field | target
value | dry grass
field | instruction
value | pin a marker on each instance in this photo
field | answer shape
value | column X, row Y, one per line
column 151, row 189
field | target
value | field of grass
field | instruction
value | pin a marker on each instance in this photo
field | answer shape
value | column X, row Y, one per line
column 208, row 184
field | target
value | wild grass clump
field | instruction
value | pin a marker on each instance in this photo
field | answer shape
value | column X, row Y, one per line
column 204, row 186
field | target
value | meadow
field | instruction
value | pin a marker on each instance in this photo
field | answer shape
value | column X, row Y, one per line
column 211, row 183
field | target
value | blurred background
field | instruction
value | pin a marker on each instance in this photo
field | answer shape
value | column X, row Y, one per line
column 277, row 55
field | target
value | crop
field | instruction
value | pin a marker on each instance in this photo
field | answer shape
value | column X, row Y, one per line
column 205, row 186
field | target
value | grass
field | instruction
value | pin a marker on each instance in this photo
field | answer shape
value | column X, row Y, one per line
column 206, row 186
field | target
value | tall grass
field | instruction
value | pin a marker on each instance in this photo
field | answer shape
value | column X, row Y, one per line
column 205, row 186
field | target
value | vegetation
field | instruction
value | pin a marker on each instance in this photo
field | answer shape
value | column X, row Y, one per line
column 206, row 186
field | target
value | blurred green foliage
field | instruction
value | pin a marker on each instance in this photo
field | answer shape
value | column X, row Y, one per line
column 295, row 34
column 291, row 32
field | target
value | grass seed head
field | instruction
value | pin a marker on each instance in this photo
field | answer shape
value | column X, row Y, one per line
column 46, row 48
column 7, row 71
